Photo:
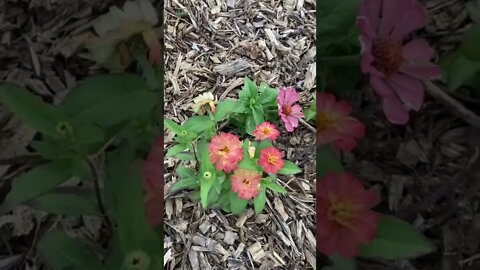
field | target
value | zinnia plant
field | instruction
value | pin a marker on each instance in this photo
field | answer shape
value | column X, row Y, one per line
column 236, row 167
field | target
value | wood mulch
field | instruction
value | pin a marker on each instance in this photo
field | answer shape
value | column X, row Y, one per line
column 212, row 45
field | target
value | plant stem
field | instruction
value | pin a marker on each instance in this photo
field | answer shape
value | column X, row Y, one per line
column 96, row 181
column 307, row 125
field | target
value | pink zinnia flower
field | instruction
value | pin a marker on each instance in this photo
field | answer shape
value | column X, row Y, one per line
column 246, row 183
column 225, row 152
column 334, row 125
column 271, row 160
column 288, row 112
column 266, row 131
column 395, row 68
column 152, row 174
column 344, row 218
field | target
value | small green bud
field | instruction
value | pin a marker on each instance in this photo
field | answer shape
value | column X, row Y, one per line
column 137, row 260
column 207, row 175
column 184, row 133
column 64, row 129
column 252, row 101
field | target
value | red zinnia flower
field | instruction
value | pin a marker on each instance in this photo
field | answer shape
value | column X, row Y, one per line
column 271, row 160
column 266, row 131
column 152, row 174
column 334, row 125
column 225, row 152
column 246, row 183
column 344, row 217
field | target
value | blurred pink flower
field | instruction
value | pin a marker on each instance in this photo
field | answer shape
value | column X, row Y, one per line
column 396, row 68
column 266, row 131
column 288, row 112
column 334, row 125
column 246, row 183
column 225, row 152
column 271, row 160
column 152, row 174
column 344, row 216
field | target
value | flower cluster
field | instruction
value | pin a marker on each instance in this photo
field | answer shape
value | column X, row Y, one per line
column 395, row 67
column 226, row 153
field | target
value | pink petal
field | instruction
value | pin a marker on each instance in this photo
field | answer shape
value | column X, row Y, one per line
column 424, row 71
column 366, row 28
column 380, row 87
column 418, row 49
column 414, row 19
column 297, row 111
column 367, row 58
column 371, row 10
column 365, row 227
column 347, row 246
column 325, row 102
column 342, row 108
column 293, row 120
column 394, row 111
column 291, row 96
column 351, row 127
column 409, row 90
column 287, row 123
column 392, row 12
column 345, row 145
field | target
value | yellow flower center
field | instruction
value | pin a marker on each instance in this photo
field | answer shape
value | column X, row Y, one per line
column 224, row 151
column 272, row 159
column 246, row 182
column 388, row 55
column 324, row 121
column 266, row 131
column 341, row 213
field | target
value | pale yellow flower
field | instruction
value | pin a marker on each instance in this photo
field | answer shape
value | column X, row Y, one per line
column 117, row 26
column 200, row 102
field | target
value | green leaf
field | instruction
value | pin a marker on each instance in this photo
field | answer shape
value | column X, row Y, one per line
column 172, row 151
column 32, row 110
column 257, row 112
column 459, row 70
column 187, row 179
column 249, row 164
column 335, row 20
column 99, row 90
column 118, row 108
column 268, row 95
column 273, row 186
column 50, row 150
column 341, row 263
column 396, row 239
column 88, row 133
column 174, row 127
column 224, row 108
column 250, row 125
column 207, row 177
column 327, row 160
column 237, row 205
column 124, row 181
column 262, row 145
column 198, row 123
column 469, row 47
column 289, row 168
column 259, row 201
column 39, row 180
column 62, row 252
column 250, row 87
column 185, row 156
column 311, row 111
column 63, row 203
